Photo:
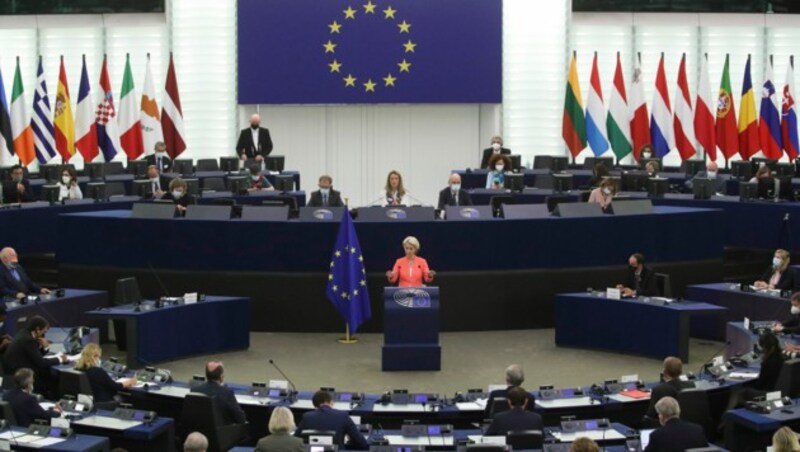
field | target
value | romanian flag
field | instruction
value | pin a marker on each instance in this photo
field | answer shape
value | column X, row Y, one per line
column 573, row 126
column 748, row 122
column 63, row 121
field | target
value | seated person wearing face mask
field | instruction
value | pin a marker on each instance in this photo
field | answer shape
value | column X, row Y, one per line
column 791, row 326
column 160, row 159
column 68, row 185
column 257, row 180
column 641, row 280
column 17, row 188
column 646, row 151
column 604, row 194
column 777, row 276
column 496, row 148
column 325, row 196
column 158, row 183
column 652, row 169
column 496, row 176
column 453, row 195
column 711, row 173
column 179, row 194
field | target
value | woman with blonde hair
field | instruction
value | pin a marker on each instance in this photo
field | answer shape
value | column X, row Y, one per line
column 777, row 276
column 785, row 440
column 104, row 389
column 281, row 426
column 394, row 191
column 410, row 270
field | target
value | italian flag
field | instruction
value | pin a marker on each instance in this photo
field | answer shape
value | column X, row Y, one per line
column 129, row 124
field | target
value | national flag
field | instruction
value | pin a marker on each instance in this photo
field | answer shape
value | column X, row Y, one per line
column 789, row 113
column 726, row 129
column 618, row 124
column 573, row 126
column 85, row 127
column 703, row 116
column 149, row 115
column 596, row 114
column 683, row 122
column 20, row 123
column 6, row 136
column 41, row 121
column 64, row 123
column 661, row 119
column 106, row 118
column 640, row 122
column 129, row 125
column 347, row 277
column 748, row 121
column 172, row 115
column 769, row 124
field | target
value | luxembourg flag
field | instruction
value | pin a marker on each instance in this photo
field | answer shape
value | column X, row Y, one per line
column 661, row 117
column 596, row 114
column 769, row 124
column 789, row 112
column 683, row 121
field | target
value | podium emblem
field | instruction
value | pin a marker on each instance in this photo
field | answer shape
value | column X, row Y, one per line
column 323, row 214
column 412, row 298
column 396, row 214
column 469, row 212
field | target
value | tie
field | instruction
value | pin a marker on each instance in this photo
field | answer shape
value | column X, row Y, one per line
column 15, row 274
column 455, row 198
column 160, row 168
column 325, row 200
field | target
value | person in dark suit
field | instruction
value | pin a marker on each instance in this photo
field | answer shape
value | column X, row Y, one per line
column 158, row 182
column 778, row 275
column 160, row 159
column 453, row 195
column 17, row 188
column 213, row 387
column 14, row 281
column 767, row 381
column 24, row 405
column 674, row 434
column 670, row 386
column 515, row 376
column 495, row 148
column 104, row 389
column 280, row 439
column 325, row 417
column 254, row 142
column 28, row 349
column 325, row 196
column 791, row 326
column 712, row 173
column 517, row 417
column 179, row 194
column 641, row 280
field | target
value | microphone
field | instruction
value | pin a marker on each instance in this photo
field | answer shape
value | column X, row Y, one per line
column 158, row 280
column 706, row 363
column 294, row 388
column 375, row 201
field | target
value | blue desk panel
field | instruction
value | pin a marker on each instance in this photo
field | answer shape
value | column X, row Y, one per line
column 675, row 234
column 627, row 326
column 76, row 443
column 67, row 311
column 173, row 332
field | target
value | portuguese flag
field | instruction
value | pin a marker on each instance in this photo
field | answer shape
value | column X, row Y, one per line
column 573, row 126
column 727, row 129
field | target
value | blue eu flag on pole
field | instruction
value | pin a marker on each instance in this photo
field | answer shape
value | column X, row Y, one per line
column 347, row 278
column 370, row 51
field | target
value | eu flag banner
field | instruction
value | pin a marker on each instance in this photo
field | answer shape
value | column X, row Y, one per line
column 370, row 51
column 347, row 278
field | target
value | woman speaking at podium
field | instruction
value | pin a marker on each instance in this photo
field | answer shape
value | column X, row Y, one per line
column 411, row 270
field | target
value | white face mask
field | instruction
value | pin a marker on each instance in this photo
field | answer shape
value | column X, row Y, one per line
column 66, row 179
column 499, row 167
column 607, row 191
column 646, row 154
column 255, row 177
column 795, row 310
column 455, row 187
column 177, row 194
column 496, row 146
column 712, row 174
column 325, row 191
column 776, row 262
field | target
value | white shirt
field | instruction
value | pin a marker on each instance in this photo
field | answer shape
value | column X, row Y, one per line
column 255, row 138
column 384, row 200
column 66, row 192
column 155, row 184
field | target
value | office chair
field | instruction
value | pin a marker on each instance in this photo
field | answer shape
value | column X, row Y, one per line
column 214, row 183
column 664, row 285
column 73, row 382
column 202, row 414
column 8, row 414
column 525, row 439
column 207, row 165
column 695, row 408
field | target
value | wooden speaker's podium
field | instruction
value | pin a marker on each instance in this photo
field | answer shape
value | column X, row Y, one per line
column 411, row 329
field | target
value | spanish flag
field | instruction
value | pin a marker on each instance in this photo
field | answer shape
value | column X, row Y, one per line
column 62, row 118
column 573, row 125
column 748, row 122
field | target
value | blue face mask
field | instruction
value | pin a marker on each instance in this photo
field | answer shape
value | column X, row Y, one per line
column 776, row 262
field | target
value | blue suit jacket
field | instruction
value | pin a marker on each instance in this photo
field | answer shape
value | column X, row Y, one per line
column 327, row 418
column 26, row 407
column 514, row 420
column 675, row 436
column 10, row 285
column 226, row 401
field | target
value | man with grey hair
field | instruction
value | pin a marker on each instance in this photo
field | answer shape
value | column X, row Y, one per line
column 496, row 148
column 515, row 376
column 14, row 281
column 453, row 194
column 195, row 442
column 160, row 159
column 674, row 434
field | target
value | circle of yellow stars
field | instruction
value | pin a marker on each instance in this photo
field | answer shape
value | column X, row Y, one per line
column 370, row 8
column 362, row 283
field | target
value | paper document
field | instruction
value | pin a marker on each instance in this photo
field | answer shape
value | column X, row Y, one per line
column 470, row 406
column 595, row 435
column 743, row 375
column 409, row 408
column 399, row 440
column 108, row 422
column 565, row 402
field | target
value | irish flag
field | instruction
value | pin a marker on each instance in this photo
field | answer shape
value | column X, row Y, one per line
column 21, row 122
column 573, row 127
column 130, row 128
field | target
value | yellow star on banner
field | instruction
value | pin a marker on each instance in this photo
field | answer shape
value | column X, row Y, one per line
column 335, row 288
column 369, row 8
column 405, row 27
column 389, row 13
column 350, row 13
column 330, row 47
column 332, row 264
column 410, row 46
column 330, row 277
column 361, row 258
column 335, row 68
column 404, row 66
column 355, row 292
column 389, row 80
column 344, row 295
column 352, row 250
column 369, row 86
column 349, row 80
column 363, row 282
column 335, row 27
column 337, row 253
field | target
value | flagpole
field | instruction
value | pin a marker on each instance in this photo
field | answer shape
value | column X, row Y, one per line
column 347, row 339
